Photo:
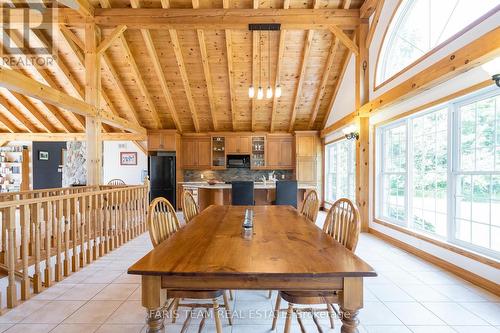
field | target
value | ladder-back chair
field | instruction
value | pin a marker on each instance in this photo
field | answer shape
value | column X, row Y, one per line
column 162, row 224
column 310, row 206
column 189, row 206
column 344, row 225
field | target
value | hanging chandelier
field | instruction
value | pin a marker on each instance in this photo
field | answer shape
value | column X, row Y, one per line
column 269, row 90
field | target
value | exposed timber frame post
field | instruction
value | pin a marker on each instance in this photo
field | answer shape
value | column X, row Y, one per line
column 362, row 145
column 93, row 125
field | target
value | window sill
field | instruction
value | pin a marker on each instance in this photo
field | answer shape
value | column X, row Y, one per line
column 448, row 246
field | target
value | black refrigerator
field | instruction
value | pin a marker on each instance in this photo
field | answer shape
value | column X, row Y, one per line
column 162, row 176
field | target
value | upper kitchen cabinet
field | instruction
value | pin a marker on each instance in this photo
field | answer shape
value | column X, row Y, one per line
column 280, row 152
column 308, row 157
column 258, row 157
column 162, row 140
column 236, row 144
column 218, row 152
column 196, row 152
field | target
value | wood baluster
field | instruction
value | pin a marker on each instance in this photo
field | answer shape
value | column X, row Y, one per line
column 127, row 216
column 95, row 226
column 74, row 236
column 113, row 220
column 54, row 222
column 102, row 218
column 58, row 234
column 121, row 218
column 90, row 221
column 37, row 223
column 82, row 224
column 107, row 216
column 47, row 212
column 67, row 219
column 10, row 214
column 116, row 209
column 25, row 225
column 3, row 258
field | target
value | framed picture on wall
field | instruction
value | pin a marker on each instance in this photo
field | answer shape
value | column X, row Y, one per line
column 128, row 158
column 43, row 155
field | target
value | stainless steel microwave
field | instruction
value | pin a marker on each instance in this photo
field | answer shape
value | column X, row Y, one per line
column 238, row 161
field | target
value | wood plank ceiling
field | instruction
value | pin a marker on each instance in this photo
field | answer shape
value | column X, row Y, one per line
column 192, row 80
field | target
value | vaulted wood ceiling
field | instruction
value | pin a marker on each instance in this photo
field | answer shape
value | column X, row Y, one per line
column 192, row 80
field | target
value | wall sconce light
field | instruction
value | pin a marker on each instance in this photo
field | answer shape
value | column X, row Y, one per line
column 492, row 67
column 351, row 132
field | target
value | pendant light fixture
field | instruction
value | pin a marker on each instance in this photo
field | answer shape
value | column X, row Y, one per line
column 260, row 91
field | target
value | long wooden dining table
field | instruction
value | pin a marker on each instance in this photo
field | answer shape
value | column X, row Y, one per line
column 286, row 252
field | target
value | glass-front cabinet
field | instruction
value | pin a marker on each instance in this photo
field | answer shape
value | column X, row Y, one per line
column 218, row 152
column 258, row 157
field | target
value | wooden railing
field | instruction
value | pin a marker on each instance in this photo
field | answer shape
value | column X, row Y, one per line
column 74, row 226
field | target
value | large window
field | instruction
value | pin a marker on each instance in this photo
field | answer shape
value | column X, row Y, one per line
column 340, row 170
column 418, row 26
column 438, row 172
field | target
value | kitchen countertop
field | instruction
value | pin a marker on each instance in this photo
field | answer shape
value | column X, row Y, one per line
column 221, row 186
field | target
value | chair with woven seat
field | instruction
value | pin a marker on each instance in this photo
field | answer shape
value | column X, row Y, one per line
column 189, row 206
column 310, row 206
column 343, row 224
column 162, row 224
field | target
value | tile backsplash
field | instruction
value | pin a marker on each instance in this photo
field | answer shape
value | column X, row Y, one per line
column 233, row 174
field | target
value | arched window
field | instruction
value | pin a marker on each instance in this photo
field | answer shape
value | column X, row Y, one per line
column 418, row 26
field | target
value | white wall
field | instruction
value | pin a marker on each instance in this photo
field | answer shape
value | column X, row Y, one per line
column 111, row 162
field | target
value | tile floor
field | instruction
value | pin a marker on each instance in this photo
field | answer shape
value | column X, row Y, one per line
column 409, row 295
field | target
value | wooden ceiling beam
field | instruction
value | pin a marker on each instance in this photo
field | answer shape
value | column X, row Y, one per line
column 368, row 8
column 374, row 22
column 79, row 136
column 22, row 84
column 230, row 70
column 324, row 81
column 206, row 70
column 35, row 112
column 117, row 32
column 17, row 114
column 153, row 53
column 185, row 80
column 303, row 66
column 225, row 18
column 349, row 43
column 9, row 124
column 140, row 82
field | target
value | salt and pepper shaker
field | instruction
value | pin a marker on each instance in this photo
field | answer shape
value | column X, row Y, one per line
column 247, row 226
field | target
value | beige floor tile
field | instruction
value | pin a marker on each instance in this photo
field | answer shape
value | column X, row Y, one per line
column 128, row 278
column 103, row 276
column 376, row 313
column 116, row 292
column 458, row 293
column 454, row 314
column 93, row 312
column 136, row 295
column 431, row 329
column 21, row 311
column 390, row 293
column 54, row 291
column 53, row 312
column 424, row 293
column 82, row 292
column 476, row 329
column 31, row 328
column 106, row 328
column 4, row 327
column 487, row 311
column 129, row 312
column 387, row 329
column 412, row 313
column 75, row 328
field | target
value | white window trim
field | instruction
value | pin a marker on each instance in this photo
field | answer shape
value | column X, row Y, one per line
column 350, row 167
column 453, row 145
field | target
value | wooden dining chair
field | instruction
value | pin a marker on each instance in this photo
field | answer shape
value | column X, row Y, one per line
column 343, row 224
column 310, row 206
column 116, row 181
column 162, row 224
column 189, row 206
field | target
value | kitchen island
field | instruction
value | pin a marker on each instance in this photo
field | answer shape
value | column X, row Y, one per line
column 220, row 193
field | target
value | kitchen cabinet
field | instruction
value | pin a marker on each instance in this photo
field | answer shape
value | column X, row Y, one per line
column 218, row 152
column 236, row 144
column 161, row 141
column 308, row 158
column 258, row 157
column 196, row 153
column 279, row 152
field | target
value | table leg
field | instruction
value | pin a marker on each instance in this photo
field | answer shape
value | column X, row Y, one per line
column 153, row 299
column 351, row 301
